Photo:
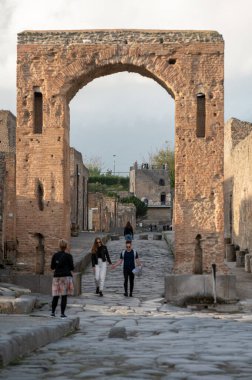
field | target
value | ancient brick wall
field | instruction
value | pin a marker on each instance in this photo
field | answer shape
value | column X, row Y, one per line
column 125, row 213
column 51, row 68
column 149, row 183
column 237, row 184
column 152, row 185
column 78, row 185
column 7, row 187
column 108, row 214
column 158, row 215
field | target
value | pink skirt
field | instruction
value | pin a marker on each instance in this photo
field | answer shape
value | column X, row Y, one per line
column 62, row 286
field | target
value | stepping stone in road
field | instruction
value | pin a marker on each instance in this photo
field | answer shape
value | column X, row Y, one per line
column 118, row 332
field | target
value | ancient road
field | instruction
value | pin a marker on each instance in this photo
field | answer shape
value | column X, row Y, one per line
column 140, row 337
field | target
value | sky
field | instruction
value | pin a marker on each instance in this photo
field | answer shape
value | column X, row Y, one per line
column 125, row 117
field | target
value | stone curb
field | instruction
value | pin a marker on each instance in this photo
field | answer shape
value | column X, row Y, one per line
column 21, row 341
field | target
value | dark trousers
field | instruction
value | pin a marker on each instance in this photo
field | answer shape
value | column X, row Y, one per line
column 62, row 305
column 128, row 275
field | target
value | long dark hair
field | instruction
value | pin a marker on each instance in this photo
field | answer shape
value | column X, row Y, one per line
column 128, row 225
column 96, row 245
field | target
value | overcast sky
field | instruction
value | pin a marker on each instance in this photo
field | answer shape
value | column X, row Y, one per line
column 125, row 114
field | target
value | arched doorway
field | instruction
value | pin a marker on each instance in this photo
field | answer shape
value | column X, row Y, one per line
column 54, row 65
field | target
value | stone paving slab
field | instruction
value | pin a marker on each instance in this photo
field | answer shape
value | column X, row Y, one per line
column 162, row 341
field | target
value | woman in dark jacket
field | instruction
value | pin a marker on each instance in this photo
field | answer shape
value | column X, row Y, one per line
column 62, row 285
column 99, row 259
column 128, row 232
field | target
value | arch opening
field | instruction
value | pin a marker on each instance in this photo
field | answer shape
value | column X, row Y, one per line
column 83, row 79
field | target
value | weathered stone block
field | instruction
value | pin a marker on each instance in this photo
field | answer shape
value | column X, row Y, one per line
column 118, row 332
column 247, row 263
column 230, row 252
column 240, row 259
column 179, row 288
column 43, row 283
column 143, row 237
column 24, row 305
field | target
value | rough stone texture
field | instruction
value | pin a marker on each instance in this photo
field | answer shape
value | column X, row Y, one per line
column 240, row 259
column 144, row 237
column 40, row 283
column 7, row 187
column 157, row 237
column 118, row 332
column 19, row 305
column 106, row 214
column 179, row 288
column 248, row 263
column 79, row 194
column 148, row 183
column 28, row 335
column 58, row 64
column 230, row 252
column 237, row 186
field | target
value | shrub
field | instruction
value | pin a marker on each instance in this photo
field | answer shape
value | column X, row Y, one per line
column 141, row 208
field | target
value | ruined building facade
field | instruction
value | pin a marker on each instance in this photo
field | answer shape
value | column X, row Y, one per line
column 152, row 185
column 7, row 187
column 52, row 66
column 238, row 183
column 106, row 214
column 79, row 192
column 78, row 184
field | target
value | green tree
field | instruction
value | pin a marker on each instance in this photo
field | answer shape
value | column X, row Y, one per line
column 141, row 208
column 165, row 156
column 94, row 165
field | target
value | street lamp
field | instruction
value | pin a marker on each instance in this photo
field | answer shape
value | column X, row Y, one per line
column 114, row 155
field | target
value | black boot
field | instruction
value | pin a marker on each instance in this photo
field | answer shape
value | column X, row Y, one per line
column 101, row 294
column 97, row 290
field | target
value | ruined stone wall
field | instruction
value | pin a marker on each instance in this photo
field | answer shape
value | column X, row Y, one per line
column 108, row 214
column 237, row 184
column 79, row 193
column 52, row 66
column 126, row 213
column 7, row 187
column 150, row 183
column 158, row 215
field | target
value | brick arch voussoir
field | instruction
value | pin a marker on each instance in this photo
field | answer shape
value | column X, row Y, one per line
column 79, row 73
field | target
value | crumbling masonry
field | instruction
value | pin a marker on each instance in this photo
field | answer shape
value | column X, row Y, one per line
column 52, row 66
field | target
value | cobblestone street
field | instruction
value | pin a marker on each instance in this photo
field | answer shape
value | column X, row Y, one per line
column 141, row 337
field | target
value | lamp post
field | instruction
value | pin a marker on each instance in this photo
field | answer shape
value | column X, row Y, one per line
column 114, row 155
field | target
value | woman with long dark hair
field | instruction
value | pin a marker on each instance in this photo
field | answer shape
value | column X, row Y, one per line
column 99, row 259
column 128, row 232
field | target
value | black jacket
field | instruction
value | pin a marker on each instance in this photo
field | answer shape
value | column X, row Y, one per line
column 62, row 263
column 128, row 231
column 101, row 253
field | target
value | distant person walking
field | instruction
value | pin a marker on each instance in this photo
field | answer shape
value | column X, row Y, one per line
column 128, row 231
column 128, row 257
column 99, row 259
column 62, row 284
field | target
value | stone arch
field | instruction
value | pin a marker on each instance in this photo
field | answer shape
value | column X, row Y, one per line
column 60, row 63
column 80, row 76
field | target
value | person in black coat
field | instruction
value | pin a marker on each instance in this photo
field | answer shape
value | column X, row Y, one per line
column 128, row 232
column 62, row 284
column 99, row 259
